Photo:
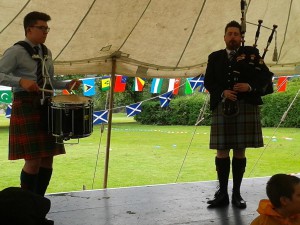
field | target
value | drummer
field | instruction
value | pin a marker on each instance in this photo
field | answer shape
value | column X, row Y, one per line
column 19, row 69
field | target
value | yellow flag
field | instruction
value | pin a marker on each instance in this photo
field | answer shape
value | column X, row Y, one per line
column 105, row 84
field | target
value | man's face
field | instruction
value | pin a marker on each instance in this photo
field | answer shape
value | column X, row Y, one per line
column 293, row 205
column 37, row 33
column 232, row 38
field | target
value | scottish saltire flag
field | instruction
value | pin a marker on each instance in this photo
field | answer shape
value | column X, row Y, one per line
column 138, row 84
column 197, row 81
column 156, row 85
column 100, row 117
column 188, row 89
column 165, row 99
column 120, row 83
column 89, row 87
column 8, row 111
column 105, row 84
column 134, row 109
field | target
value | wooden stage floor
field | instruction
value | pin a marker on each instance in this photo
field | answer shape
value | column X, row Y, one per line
column 169, row 204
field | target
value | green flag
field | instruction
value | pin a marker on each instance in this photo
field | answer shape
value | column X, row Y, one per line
column 188, row 88
column 5, row 96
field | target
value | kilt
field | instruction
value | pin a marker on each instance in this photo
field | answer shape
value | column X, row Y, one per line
column 28, row 137
column 237, row 132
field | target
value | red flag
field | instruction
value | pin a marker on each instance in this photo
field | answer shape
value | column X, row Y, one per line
column 281, row 84
column 120, row 83
column 65, row 92
column 176, row 86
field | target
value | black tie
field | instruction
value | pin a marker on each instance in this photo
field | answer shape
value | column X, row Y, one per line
column 39, row 73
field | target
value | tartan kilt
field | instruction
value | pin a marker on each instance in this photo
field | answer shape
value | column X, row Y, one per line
column 237, row 132
column 28, row 136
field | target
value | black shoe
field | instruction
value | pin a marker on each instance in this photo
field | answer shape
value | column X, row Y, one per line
column 238, row 201
column 47, row 222
column 220, row 200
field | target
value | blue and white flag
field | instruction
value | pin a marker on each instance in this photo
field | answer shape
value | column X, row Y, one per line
column 8, row 111
column 134, row 109
column 165, row 99
column 89, row 87
column 100, row 117
column 197, row 81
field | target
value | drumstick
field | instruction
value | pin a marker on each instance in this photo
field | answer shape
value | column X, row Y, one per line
column 46, row 90
column 73, row 86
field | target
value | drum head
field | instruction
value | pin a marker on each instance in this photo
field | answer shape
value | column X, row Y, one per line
column 71, row 99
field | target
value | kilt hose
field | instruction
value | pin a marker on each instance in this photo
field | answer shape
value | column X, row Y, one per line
column 28, row 136
column 236, row 132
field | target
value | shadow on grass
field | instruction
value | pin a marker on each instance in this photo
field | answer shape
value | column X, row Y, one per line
column 4, row 127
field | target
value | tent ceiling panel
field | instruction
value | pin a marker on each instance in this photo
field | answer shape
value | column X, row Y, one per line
column 170, row 38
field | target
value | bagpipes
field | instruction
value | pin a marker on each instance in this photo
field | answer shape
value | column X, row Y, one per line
column 249, row 63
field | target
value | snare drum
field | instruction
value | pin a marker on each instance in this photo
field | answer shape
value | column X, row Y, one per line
column 71, row 116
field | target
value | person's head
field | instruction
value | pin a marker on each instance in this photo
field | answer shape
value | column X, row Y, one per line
column 233, row 36
column 284, row 192
column 36, row 27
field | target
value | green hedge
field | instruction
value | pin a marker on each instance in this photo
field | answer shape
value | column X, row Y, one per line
column 184, row 110
column 277, row 104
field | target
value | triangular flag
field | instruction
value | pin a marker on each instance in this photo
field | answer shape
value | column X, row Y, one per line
column 197, row 81
column 100, row 117
column 8, row 111
column 134, row 109
column 156, row 85
column 165, row 99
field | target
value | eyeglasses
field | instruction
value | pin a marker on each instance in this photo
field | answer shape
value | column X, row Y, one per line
column 42, row 28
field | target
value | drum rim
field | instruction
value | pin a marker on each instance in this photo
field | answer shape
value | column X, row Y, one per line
column 80, row 100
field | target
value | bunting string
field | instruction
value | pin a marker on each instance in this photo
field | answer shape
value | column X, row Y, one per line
column 199, row 120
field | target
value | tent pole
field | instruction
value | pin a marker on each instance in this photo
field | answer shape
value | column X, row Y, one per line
column 111, row 100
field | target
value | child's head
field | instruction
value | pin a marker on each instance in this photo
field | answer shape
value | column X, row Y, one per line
column 284, row 192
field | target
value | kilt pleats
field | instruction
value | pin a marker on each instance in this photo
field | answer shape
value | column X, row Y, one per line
column 28, row 137
column 237, row 132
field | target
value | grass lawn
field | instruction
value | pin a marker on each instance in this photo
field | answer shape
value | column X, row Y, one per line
column 145, row 155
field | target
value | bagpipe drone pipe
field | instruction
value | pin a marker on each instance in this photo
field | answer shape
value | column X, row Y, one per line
column 249, row 67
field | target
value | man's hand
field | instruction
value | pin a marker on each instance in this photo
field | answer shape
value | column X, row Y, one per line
column 29, row 85
column 242, row 87
column 229, row 94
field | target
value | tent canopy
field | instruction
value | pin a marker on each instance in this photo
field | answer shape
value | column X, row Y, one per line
column 152, row 38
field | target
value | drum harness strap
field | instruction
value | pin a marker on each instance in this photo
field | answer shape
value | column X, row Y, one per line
column 43, row 60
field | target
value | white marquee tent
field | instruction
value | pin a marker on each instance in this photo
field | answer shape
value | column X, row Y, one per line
column 152, row 38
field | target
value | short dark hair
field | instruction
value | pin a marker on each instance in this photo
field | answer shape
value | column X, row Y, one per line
column 31, row 18
column 281, row 185
column 233, row 23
